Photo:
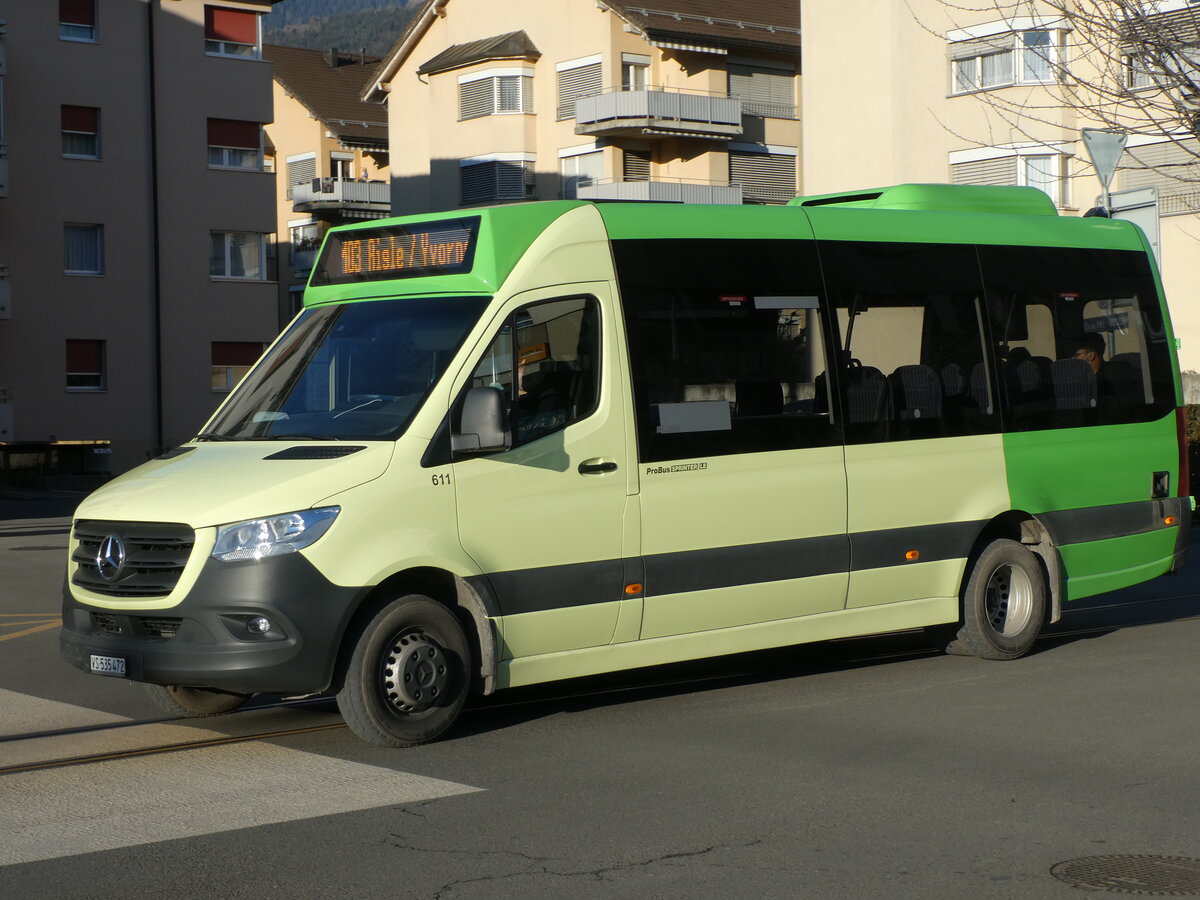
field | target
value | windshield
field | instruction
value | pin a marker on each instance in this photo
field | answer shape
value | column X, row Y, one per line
column 355, row 371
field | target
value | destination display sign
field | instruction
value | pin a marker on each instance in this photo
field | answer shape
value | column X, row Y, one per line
column 445, row 247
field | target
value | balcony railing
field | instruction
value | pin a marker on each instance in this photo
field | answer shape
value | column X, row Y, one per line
column 662, row 190
column 342, row 194
column 659, row 111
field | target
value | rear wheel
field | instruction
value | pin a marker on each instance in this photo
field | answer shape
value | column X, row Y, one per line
column 1004, row 602
column 407, row 677
column 199, row 703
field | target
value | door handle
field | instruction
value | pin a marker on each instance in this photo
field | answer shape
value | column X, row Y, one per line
column 597, row 466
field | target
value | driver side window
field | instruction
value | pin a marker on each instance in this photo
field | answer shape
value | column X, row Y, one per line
column 546, row 361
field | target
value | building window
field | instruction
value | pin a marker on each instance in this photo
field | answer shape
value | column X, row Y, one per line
column 341, row 165
column 1022, row 57
column 1043, row 170
column 577, row 78
column 85, row 365
column 765, row 176
column 81, row 132
column 231, row 32
column 234, row 145
column 767, row 92
column 305, row 241
column 635, row 165
column 494, row 92
column 506, row 176
column 77, row 20
column 231, row 360
column 580, row 170
column 635, row 70
column 238, row 254
column 301, row 169
column 83, row 249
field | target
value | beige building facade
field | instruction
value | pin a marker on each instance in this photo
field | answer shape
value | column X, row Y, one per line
column 545, row 99
column 329, row 152
column 136, row 221
column 971, row 93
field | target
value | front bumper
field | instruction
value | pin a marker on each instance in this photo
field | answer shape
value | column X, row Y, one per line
column 204, row 642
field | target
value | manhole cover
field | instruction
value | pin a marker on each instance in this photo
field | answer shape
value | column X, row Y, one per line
column 1148, row 876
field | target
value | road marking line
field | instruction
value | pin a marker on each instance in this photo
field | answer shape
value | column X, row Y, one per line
column 126, row 803
column 32, row 622
column 35, row 630
column 27, row 615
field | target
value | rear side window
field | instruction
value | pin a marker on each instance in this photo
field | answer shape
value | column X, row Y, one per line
column 727, row 346
column 910, row 360
column 1079, row 334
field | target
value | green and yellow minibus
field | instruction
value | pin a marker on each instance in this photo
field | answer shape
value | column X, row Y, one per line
column 510, row 445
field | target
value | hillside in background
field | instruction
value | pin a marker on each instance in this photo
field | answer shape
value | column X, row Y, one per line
column 371, row 26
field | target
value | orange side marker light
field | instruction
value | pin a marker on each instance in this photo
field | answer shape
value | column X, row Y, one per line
column 1170, row 520
column 633, row 589
column 913, row 554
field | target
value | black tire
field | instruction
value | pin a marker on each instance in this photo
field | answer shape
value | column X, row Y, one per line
column 1004, row 602
column 408, row 675
column 199, row 703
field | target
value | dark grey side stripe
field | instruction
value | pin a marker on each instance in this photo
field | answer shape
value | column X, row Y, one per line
column 1099, row 523
column 687, row 571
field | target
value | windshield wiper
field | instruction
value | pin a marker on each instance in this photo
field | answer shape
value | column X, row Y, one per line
column 299, row 437
column 213, row 436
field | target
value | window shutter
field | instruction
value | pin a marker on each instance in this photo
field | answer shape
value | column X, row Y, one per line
column 1002, row 170
column 235, row 353
column 234, row 25
column 584, row 81
column 77, row 12
column 85, row 356
column 81, row 118
column 302, row 171
column 232, row 133
column 478, row 182
column 983, row 46
column 636, row 165
column 476, row 98
column 510, row 180
column 763, row 92
column 1162, row 166
column 764, row 177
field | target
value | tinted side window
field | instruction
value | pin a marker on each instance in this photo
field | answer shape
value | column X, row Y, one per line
column 555, row 347
column 727, row 346
column 1081, row 336
column 910, row 337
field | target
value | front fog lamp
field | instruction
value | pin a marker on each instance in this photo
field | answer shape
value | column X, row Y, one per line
column 275, row 536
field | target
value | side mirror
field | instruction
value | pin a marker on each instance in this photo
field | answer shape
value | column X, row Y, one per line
column 484, row 427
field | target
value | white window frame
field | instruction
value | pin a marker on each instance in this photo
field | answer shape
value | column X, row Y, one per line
column 223, row 158
column 227, row 264
column 235, row 49
column 635, row 71
column 967, row 74
column 1060, row 153
column 86, row 34
column 98, row 232
column 568, row 164
column 523, row 76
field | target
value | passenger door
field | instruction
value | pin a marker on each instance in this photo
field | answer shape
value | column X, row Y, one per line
column 545, row 519
column 741, row 480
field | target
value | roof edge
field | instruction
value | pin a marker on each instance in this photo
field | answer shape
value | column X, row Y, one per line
column 417, row 26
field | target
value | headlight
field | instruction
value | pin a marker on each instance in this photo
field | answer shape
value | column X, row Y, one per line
column 273, row 536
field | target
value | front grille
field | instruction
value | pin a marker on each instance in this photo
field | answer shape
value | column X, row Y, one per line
column 106, row 624
column 155, row 554
column 161, row 627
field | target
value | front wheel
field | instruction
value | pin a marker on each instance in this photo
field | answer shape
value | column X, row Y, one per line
column 407, row 677
column 1004, row 602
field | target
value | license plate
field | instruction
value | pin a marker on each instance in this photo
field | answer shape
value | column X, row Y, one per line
column 108, row 665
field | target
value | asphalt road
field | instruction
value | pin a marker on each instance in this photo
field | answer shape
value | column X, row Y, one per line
column 856, row 769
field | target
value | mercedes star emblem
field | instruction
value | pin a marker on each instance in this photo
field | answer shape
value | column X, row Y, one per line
column 110, row 558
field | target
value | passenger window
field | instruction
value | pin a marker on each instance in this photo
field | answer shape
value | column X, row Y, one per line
column 910, row 337
column 1080, row 335
column 553, row 383
column 727, row 346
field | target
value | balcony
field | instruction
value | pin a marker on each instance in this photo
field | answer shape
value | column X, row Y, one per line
column 657, row 111
column 662, row 190
column 347, row 198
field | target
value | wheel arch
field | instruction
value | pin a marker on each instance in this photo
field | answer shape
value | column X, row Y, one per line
column 1029, row 530
column 469, row 599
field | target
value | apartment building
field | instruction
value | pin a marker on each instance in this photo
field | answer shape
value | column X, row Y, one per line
column 972, row 93
column 593, row 99
column 136, row 222
column 329, row 150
